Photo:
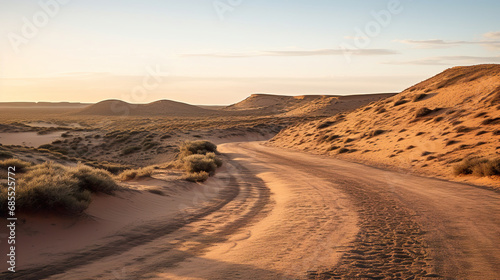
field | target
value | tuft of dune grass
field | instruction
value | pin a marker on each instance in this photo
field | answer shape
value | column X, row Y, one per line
column 478, row 167
column 51, row 187
column 197, row 147
column 132, row 174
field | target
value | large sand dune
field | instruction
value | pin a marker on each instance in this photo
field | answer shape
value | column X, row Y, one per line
column 305, row 105
column 427, row 128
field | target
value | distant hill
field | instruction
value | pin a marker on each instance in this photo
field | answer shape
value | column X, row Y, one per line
column 304, row 105
column 429, row 127
column 26, row 105
column 157, row 108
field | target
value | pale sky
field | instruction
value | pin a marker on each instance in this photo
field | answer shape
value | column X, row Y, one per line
column 221, row 51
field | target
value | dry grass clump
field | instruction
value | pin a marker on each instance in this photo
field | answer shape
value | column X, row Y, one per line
column 132, row 174
column 20, row 165
column 197, row 147
column 51, row 187
column 199, row 160
column 478, row 166
column 94, row 180
column 199, row 163
column 201, row 176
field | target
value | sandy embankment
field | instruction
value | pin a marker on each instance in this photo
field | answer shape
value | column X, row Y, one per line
column 43, row 239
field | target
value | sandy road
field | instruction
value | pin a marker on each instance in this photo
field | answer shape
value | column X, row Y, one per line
column 410, row 226
column 287, row 215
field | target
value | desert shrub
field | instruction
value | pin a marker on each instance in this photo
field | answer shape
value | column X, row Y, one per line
column 419, row 97
column 136, row 173
column 215, row 158
column 94, row 180
column 201, row 147
column 51, row 191
column 52, row 187
column 199, row 159
column 478, row 167
column 198, row 163
column 422, row 112
column 196, row 177
column 20, row 165
column 130, row 150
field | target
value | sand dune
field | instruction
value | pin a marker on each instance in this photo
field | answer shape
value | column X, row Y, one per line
column 305, row 105
column 427, row 128
column 157, row 108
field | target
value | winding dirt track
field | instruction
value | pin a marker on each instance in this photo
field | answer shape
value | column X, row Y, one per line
column 288, row 215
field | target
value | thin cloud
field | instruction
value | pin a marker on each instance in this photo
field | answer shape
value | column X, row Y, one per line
column 322, row 52
column 492, row 41
column 492, row 35
column 450, row 60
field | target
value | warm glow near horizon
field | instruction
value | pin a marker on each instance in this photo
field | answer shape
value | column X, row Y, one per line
column 219, row 52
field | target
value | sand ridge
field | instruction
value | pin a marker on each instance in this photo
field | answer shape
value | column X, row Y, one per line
column 426, row 129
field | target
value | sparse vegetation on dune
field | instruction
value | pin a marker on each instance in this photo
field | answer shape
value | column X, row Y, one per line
column 51, row 187
column 198, row 163
column 478, row 167
column 197, row 147
column 132, row 174
column 201, row 176
column 20, row 165
column 199, row 159
column 429, row 127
